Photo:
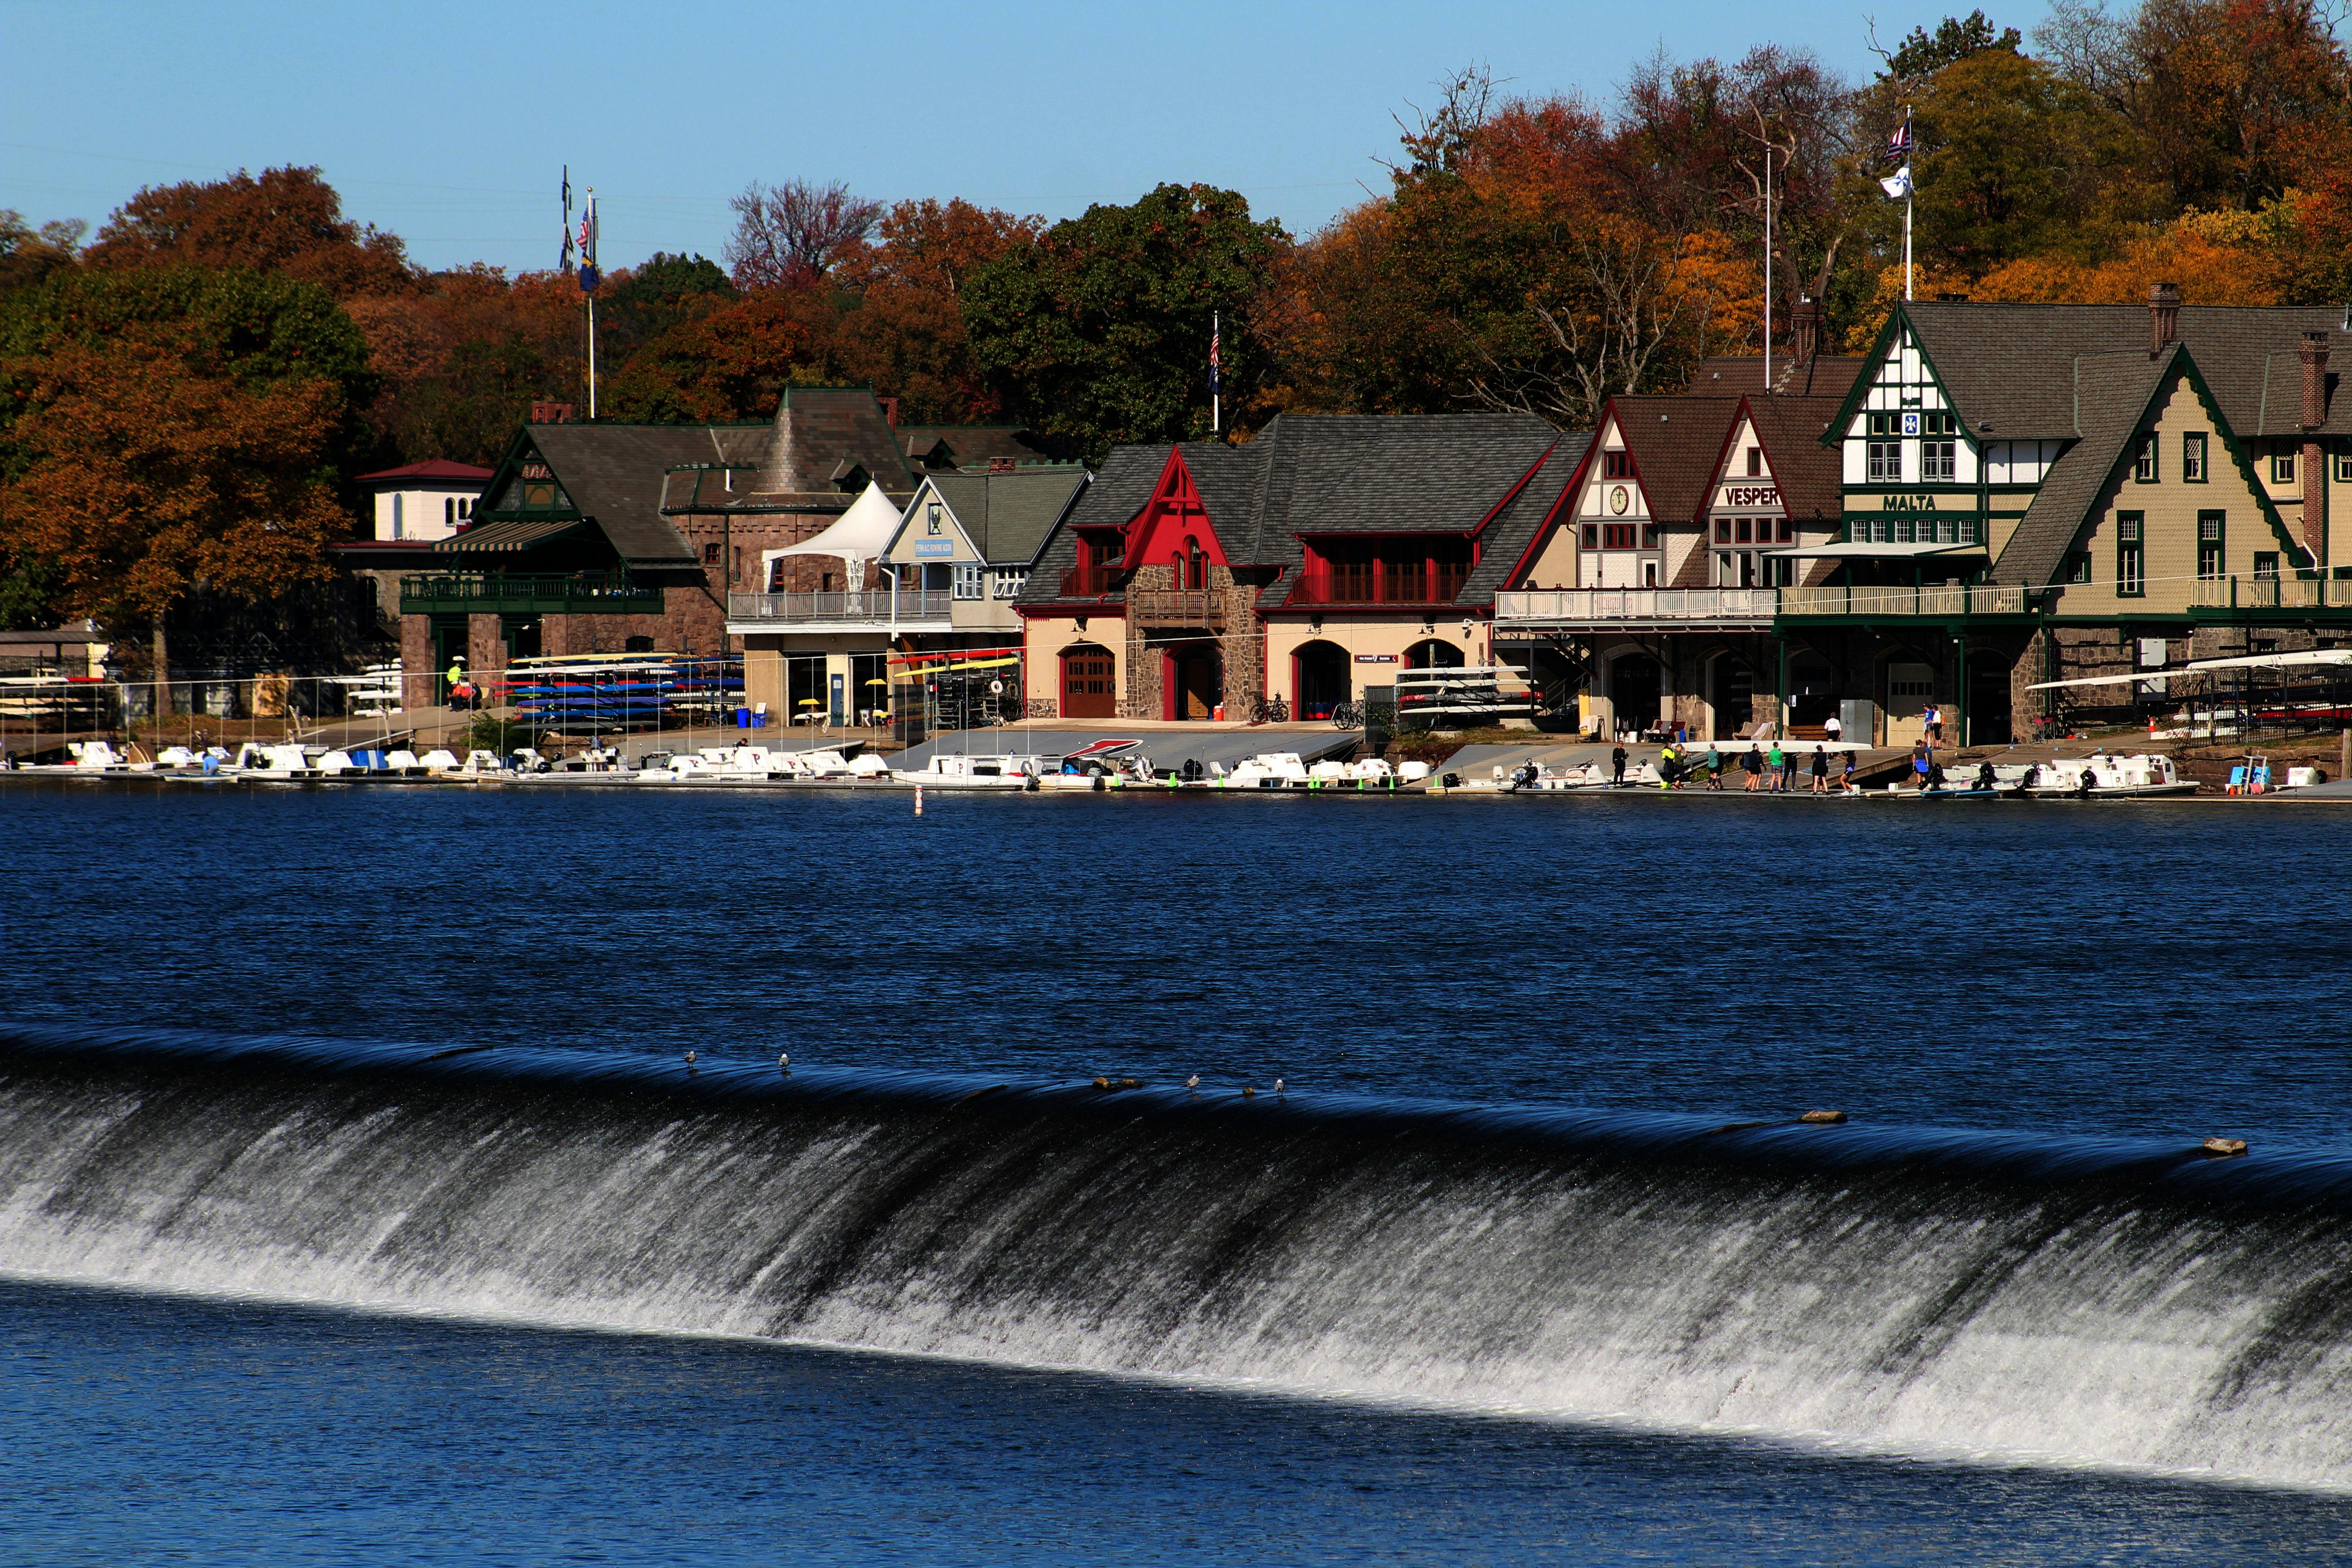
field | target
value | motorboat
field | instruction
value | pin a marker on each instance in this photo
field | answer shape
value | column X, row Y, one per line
column 961, row 769
column 280, row 763
column 1268, row 770
column 2140, row 775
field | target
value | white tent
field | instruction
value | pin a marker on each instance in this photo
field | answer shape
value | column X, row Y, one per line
column 861, row 534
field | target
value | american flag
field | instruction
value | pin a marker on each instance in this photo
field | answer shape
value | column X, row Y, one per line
column 1898, row 143
column 1216, row 333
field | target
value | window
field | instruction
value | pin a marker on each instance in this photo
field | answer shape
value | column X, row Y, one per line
column 2131, row 575
column 1617, row 536
column 932, row 519
column 969, row 583
column 2078, row 567
column 1755, row 462
column 1787, row 529
column 1617, row 465
column 2143, row 461
column 2282, row 464
column 2208, row 545
column 1886, row 462
column 710, row 554
column 397, row 524
column 2192, row 458
column 2344, row 468
column 465, row 510
column 1593, row 536
column 1723, row 531
column 1005, row 582
column 1937, row 461
column 2266, row 565
column 1649, row 536
column 1939, row 424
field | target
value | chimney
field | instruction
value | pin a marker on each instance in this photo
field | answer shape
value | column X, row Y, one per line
column 890, row 410
column 1805, row 324
column 551, row 414
column 2313, row 352
column 2163, row 317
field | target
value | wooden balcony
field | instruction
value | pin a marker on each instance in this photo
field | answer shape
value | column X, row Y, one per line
column 1177, row 607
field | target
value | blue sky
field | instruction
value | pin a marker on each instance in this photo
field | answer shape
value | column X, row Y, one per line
column 448, row 123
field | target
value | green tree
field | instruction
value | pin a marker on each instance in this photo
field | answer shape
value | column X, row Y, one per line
column 27, row 254
column 1099, row 331
column 1956, row 38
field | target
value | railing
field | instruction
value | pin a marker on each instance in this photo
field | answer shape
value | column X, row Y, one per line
column 865, row 607
column 1089, row 581
column 489, row 593
column 2272, row 593
column 1399, row 589
column 1755, row 605
column 1177, row 607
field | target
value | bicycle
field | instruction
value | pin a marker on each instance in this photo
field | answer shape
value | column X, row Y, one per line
column 1269, row 710
column 1348, row 716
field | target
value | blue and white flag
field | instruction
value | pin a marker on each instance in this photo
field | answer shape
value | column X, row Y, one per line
column 1897, row 185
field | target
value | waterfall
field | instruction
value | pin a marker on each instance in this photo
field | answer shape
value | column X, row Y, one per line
column 2115, row 1301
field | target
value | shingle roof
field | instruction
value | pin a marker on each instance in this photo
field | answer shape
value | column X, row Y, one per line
column 614, row 473
column 431, row 468
column 973, row 446
column 1676, row 443
column 1514, row 529
column 2014, row 365
column 2116, row 390
column 1823, row 376
column 1335, row 474
column 1810, row 475
column 1008, row 516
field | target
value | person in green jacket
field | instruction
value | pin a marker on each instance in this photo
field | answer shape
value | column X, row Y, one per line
column 1778, row 763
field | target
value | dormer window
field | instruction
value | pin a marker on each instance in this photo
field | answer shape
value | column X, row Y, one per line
column 1616, row 465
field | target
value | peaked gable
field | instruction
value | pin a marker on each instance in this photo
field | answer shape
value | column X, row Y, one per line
column 1173, row 519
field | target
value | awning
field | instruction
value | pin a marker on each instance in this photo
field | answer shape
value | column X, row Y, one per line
column 508, row 535
column 1858, row 551
column 861, row 533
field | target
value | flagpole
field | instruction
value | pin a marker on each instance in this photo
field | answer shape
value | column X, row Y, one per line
column 1911, row 154
column 589, row 279
column 1217, row 388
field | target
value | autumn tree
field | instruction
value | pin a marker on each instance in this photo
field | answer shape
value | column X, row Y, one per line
column 732, row 364
column 27, row 254
column 789, row 236
column 167, row 429
column 1098, row 331
column 288, row 221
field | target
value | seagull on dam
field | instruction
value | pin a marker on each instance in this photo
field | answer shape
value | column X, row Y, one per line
column 689, row 1059
column 1193, row 1083
column 783, row 1061
column 1277, row 1086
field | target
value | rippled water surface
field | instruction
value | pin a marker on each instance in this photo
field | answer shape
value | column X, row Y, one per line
column 2161, row 971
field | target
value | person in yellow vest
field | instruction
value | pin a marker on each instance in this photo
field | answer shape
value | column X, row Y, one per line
column 457, row 678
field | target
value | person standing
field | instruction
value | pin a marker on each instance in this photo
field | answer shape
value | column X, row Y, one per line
column 1779, row 763
column 1934, row 725
column 457, row 679
column 1833, row 728
column 1752, row 765
column 1846, row 778
column 1617, row 766
column 1714, row 768
column 1789, row 768
column 1821, row 770
column 1923, row 762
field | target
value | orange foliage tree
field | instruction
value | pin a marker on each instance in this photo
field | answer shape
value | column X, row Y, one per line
column 167, row 430
column 288, row 221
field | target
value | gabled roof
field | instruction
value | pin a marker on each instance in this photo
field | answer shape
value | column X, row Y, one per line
column 430, row 470
column 614, row 474
column 1334, row 474
column 2117, row 394
column 1507, row 539
column 1678, row 445
column 1810, row 476
column 972, row 446
column 1007, row 517
column 2016, row 366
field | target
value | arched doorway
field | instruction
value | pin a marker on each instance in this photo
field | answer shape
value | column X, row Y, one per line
column 1089, row 682
column 1634, row 687
column 1322, row 676
column 1733, row 697
column 1433, row 654
column 1196, row 680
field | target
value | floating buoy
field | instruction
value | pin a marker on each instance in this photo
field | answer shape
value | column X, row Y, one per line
column 1822, row 1118
column 1249, row 1091
column 2225, row 1145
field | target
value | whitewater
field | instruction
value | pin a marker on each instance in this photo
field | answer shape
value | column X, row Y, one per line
column 2131, row 1303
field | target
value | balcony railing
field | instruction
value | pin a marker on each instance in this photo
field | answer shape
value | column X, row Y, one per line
column 505, row 592
column 2272, row 593
column 1092, row 582
column 1177, row 607
column 1748, row 606
column 866, row 606
column 1613, row 604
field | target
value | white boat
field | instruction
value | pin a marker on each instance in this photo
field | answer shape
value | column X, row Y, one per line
column 1268, row 770
column 960, row 770
column 438, row 761
column 2140, row 775
column 256, row 760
